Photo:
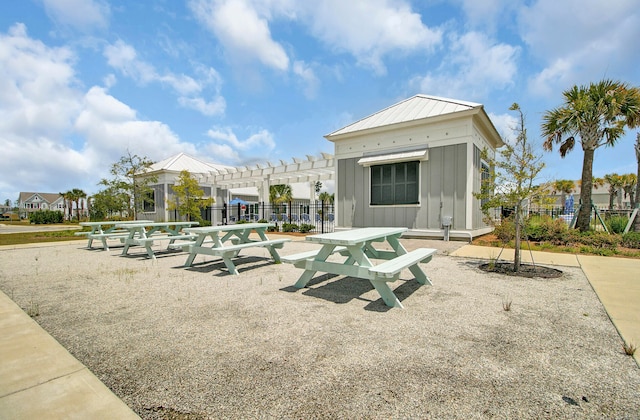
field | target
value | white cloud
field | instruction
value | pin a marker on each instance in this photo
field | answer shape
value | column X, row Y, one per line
column 110, row 126
column 505, row 124
column 580, row 40
column 54, row 136
column 123, row 57
column 242, row 30
column 308, row 77
column 473, row 66
column 369, row 29
column 227, row 147
column 84, row 15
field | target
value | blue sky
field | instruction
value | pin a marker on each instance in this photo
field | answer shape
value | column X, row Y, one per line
column 243, row 81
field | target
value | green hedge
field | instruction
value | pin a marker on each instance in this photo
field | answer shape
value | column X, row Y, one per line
column 44, row 217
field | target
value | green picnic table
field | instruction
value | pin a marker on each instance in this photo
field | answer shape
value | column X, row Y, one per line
column 357, row 246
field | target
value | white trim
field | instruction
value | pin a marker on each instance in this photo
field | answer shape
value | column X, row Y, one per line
column 422, row 154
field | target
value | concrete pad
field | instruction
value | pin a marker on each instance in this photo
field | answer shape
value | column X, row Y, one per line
column 41, row 379
column 79, row 395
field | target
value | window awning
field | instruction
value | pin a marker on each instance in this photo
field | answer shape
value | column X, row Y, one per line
column 422, row 154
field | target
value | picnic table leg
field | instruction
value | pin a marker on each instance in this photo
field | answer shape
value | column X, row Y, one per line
column 415, row 269
column 308, row 274
column 386, row 293
column 230, row 265
column 420, row 276
column 192, row 249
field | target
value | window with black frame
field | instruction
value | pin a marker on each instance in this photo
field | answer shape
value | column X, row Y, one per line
column 149, row 202
column 395, row 183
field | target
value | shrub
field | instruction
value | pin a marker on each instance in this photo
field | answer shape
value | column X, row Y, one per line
column 241, row 221
column 305, row 227
column 616, row 224
column 544, row 228
column 262, row 221
column 506, row 230
column 42, row 217
column 599, row 240
column 289, row 227
column 631, row 240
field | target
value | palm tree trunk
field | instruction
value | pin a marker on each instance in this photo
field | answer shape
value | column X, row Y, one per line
column 584, row 215
column 636, row 223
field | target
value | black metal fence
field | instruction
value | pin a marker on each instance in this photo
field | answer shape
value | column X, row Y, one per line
column 295, row 216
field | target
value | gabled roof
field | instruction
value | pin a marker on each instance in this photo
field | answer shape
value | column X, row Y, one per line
column 181, row 162
column 416, row 108
column 48, row 197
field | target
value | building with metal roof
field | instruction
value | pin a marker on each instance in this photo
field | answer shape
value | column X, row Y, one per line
column 414, row 164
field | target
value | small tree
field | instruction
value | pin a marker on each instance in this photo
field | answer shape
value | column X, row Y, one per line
column 629, row 186
column 564, row 186
column 129, row 178
column 189, row 197
column 511, row 179
column 615, row 182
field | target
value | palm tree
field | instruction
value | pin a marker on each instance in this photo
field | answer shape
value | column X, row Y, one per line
column 66, row 196
column 615, row 183
column 564, row 186
column 629, row 182
column 598, row 115
column 75, row 195
column 325, row 197
column 280, row 194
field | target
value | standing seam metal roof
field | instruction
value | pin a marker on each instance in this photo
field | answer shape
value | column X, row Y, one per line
column 182, row 161
column 415, row 108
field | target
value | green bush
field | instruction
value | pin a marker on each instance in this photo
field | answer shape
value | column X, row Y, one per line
column 305, row 227
column 506, row 230
column 262, row 221
column 544, row 228
column 289, row 227
column 616, row 224
column 631, row 240
column 241, row 221
column 599, row 240
column 42, row 217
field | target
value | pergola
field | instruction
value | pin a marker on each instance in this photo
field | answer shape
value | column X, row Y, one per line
column 262, row 176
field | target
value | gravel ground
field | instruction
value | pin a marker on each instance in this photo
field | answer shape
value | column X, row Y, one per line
column 198, row 343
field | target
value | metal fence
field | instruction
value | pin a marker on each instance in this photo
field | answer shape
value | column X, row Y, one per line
column 297, row 216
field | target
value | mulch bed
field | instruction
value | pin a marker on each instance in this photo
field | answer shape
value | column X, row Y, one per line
column 526, row 270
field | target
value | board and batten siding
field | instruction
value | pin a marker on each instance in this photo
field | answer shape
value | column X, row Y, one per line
column 442, row 193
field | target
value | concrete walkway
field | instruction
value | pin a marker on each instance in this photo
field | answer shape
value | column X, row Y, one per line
column 40, row 379
column 616, row 281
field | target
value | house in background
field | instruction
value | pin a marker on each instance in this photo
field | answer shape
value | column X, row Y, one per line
column 415, row 164
column 29, row 202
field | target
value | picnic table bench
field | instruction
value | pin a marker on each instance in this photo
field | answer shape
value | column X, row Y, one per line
column 226, row 241
column 147, row 233
column 106, row 230
column 357, row 246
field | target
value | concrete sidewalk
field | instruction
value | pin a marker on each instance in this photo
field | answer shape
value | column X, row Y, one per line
column 616, row 282
column 40, row 379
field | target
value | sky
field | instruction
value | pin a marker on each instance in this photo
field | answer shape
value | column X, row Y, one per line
column 237, row 82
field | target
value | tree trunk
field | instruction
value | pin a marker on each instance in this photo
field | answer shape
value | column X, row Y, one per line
column 584, row 215
column 517, row 245
column 636, row 223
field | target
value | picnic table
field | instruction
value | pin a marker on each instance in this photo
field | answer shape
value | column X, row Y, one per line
column 146, row 233
column 357, row 246
column 226, row 241
column 105, row 230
